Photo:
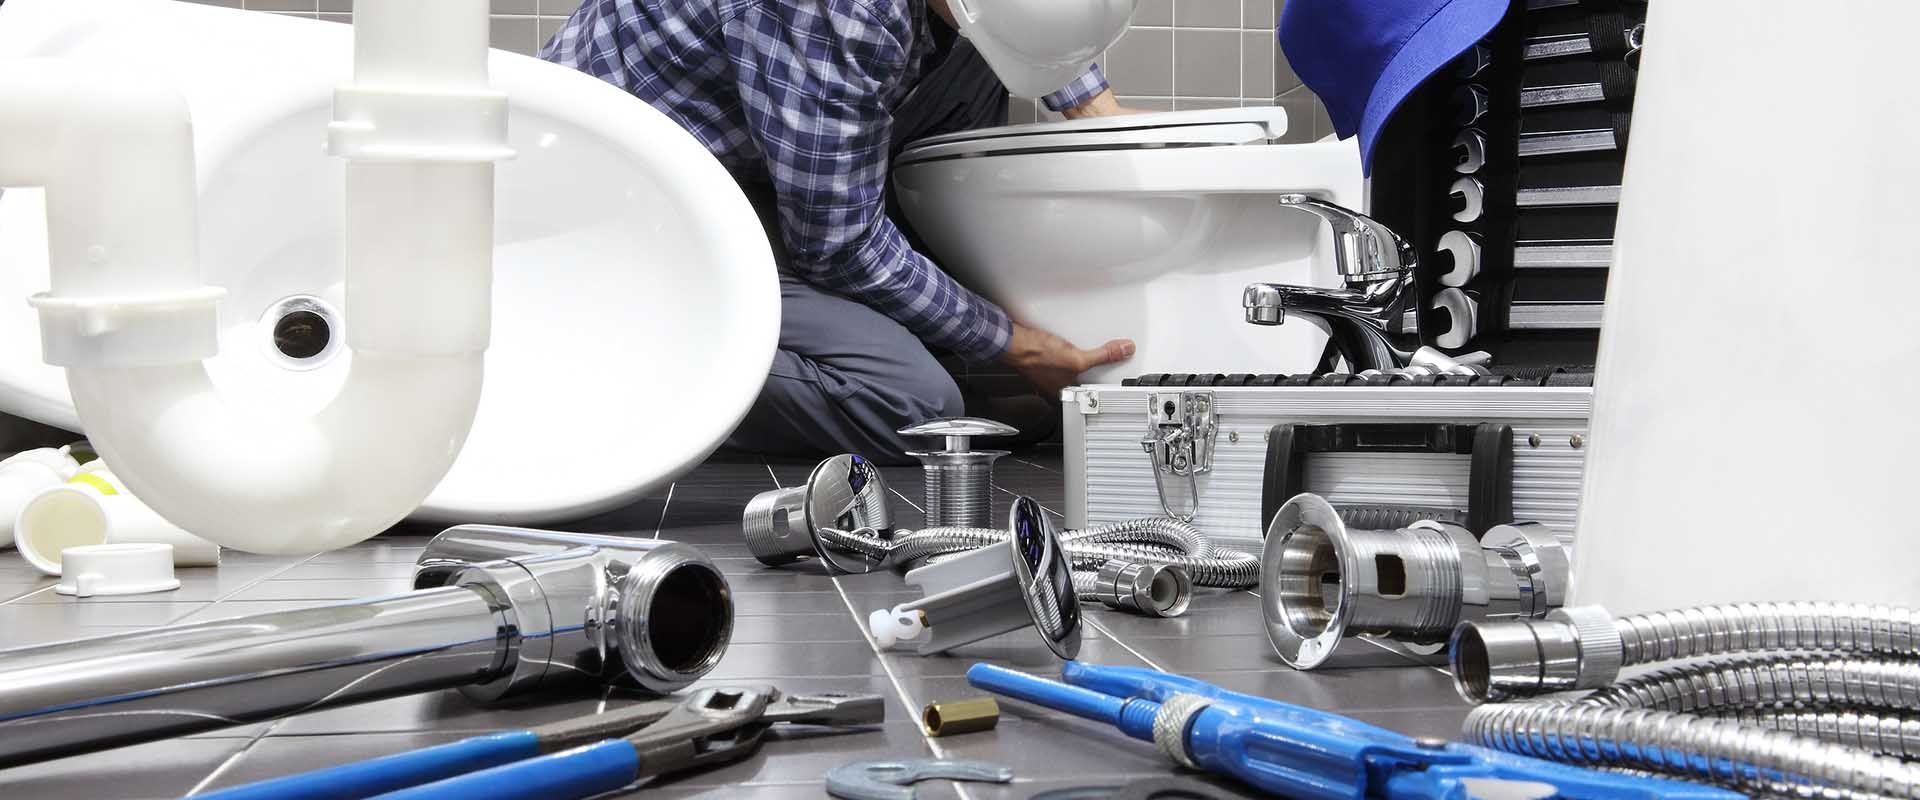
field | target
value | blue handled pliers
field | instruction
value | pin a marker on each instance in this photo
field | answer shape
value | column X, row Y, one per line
column 577, row 758
column 1297, row 752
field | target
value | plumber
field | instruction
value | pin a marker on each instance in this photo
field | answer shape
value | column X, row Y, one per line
column 805, row 102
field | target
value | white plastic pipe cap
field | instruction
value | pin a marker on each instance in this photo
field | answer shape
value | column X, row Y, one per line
column 105, row 569
column 25, row 475
column 891, row 626
column 81, row 515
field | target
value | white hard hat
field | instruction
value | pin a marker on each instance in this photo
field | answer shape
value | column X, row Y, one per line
column 1038, row 47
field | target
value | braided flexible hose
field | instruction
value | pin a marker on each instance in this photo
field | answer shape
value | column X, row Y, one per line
column 1892, row 734
column 1150, row 540
column 1721, row 751
column 1755, row 627
column 1769, row 682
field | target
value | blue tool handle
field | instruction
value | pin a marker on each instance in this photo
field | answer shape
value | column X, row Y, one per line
column 387, row 773
column 578, row 773
column 1132, row 715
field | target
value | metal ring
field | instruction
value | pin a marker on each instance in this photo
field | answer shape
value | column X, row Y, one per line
column 1170, row 726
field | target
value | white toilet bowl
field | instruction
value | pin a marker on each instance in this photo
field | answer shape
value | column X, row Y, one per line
column 635, row 305
column 1145, row 226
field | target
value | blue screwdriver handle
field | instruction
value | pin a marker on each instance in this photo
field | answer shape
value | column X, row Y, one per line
column 567, row 775
column 385, row 774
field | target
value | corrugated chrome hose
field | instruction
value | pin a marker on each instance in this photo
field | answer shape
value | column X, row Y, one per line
column 1759, row 627
column 1821, row 710
column 1717, row 750
column 1769, row 682
column 1154, row 540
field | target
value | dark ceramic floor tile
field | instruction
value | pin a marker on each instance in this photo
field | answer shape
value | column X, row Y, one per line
column 167, row 768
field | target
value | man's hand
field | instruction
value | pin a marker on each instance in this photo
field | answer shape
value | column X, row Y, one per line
column 1103, row 104
column 1052, row 363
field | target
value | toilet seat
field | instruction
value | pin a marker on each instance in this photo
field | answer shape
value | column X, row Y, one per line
column 1207, row 128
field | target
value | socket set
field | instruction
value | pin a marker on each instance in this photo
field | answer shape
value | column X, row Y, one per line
column 1505, row 173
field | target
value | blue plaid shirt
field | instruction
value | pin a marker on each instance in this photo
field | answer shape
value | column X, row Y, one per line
column 800, row 93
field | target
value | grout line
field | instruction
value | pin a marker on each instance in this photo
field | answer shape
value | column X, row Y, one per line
column 27, row 594
column 905, row 499
column 231, row 760
column 663, row 509
column 1041, row 467
column 1105, row 631
column 248, row 585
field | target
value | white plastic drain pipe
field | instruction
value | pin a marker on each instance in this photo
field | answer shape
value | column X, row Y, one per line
column 131, row 321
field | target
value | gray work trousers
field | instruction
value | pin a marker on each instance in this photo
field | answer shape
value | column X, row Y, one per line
column 847, row 377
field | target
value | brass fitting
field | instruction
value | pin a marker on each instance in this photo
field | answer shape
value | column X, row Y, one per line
column 955, row 717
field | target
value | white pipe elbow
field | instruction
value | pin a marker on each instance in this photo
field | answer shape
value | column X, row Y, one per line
column 249, row 478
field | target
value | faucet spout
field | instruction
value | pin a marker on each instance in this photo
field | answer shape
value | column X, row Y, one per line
column 1376, row 266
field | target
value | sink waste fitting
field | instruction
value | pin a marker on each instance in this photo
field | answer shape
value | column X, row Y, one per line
column 845, row 492
column 1023, row 581
column 959, row 479
column 1322, row 581
column 495, row 611
column 1793, row 699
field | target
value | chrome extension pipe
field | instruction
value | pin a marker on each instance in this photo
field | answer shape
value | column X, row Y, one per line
column 1824, row 710
column 495, row 612
column 1323, row 580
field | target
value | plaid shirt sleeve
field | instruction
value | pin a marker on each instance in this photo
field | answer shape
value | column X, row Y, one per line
column 813, row 87
column 1080, row 91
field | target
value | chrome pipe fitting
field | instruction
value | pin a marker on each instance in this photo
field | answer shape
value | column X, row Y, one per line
column 1322, row 581
column 845, row 492
column 1152, row 590
column 496, row 612
column 959, row 479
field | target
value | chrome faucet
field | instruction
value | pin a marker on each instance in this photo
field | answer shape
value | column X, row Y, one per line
column 1376, row 266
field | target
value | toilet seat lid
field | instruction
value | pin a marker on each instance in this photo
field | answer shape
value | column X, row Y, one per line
column 1206, row 128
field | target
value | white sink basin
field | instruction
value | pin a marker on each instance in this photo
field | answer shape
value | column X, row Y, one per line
column 635, row 302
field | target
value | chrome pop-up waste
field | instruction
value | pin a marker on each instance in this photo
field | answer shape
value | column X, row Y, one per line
column 495, row 612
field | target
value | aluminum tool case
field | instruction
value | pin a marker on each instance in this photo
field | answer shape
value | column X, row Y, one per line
column 1385, row 450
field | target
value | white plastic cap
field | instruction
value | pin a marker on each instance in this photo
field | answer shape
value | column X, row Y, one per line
column 893, row 625
column 1039, row 46
column 75, row 515
column 117, row 569
column 25, row 475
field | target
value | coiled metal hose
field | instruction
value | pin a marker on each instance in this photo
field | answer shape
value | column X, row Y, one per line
column 1756, row 627
column 1821, row 712
column 1153, row 540
column 1717, row 750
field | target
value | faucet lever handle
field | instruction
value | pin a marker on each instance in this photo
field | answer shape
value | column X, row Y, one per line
column 1364, row 249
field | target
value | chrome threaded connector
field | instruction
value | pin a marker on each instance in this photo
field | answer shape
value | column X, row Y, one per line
column 1152, row 590
column 1323, row 580
column 1572, row 648
column 959, row 479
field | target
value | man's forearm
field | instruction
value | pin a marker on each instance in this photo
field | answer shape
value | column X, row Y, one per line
column 1103, row 104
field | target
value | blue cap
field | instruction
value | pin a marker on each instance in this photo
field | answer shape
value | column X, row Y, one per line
column 1363, row 57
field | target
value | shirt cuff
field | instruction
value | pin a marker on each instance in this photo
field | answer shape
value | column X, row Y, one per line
column 1082, row 89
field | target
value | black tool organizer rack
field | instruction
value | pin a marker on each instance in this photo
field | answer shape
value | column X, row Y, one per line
column 1544, row 230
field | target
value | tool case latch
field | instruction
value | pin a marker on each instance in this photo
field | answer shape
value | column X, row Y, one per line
column 1179, row 441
